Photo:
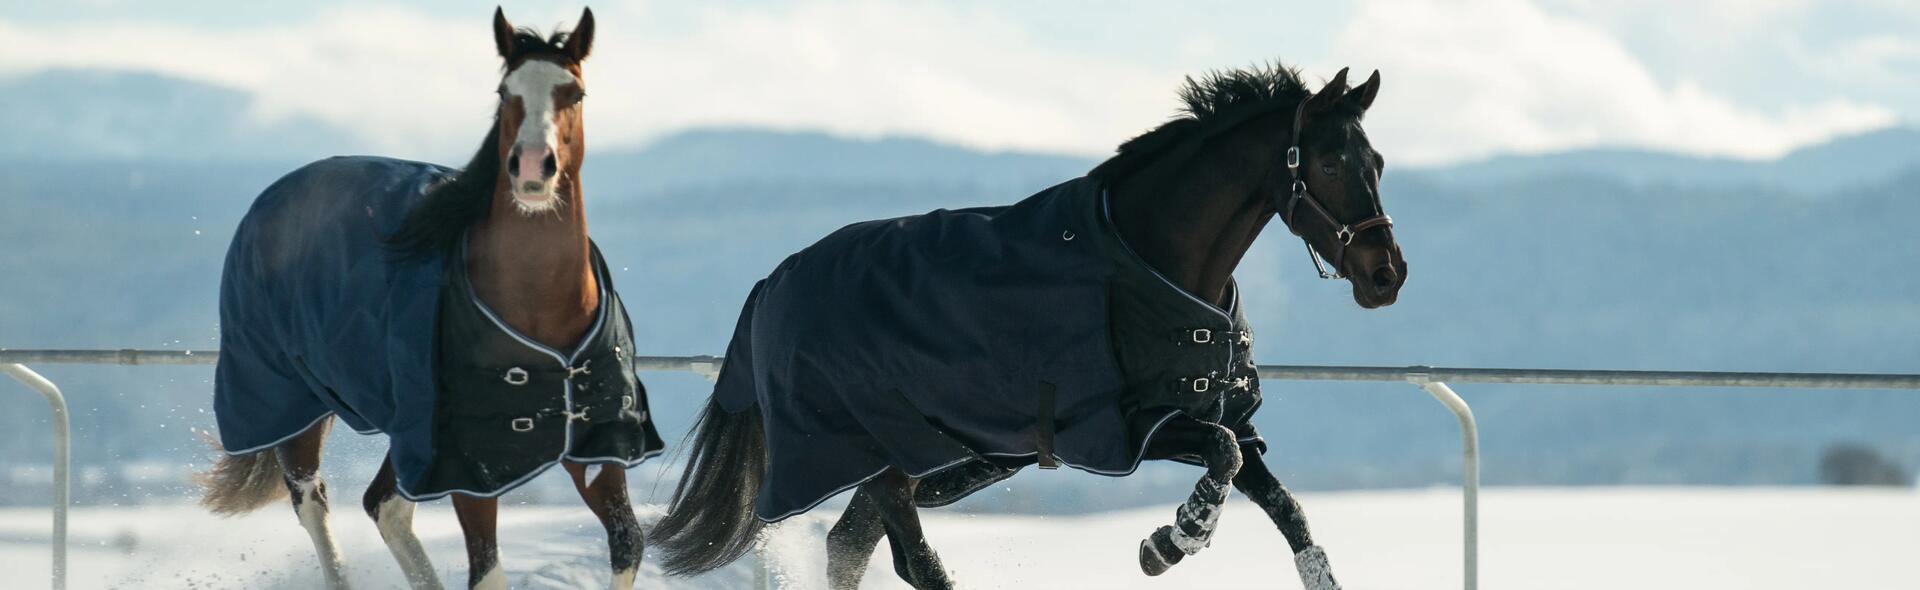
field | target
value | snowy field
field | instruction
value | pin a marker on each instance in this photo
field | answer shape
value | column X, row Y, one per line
column 1681, row 538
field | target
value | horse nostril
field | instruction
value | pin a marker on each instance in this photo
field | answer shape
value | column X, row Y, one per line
column 513, row 162
column 1384, row 278
column 549, row 166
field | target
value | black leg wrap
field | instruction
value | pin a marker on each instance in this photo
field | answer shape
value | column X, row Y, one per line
column 626, row 544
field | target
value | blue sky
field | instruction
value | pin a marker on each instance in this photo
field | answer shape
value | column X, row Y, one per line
column 1462, row 78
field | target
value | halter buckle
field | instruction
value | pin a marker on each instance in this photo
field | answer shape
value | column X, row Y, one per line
column 1293, row 157
column 1344, row 234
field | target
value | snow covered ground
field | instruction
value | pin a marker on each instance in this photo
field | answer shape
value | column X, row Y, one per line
column 1681, row 538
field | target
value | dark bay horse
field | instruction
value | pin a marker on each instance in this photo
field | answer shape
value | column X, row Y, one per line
column 1095, row 324
column 465, row 314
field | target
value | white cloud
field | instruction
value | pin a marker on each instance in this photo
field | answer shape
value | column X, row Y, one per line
column 870, row 68
column 1463, row 77
column 422, row 87
column 394, row 76
column 1473, row 77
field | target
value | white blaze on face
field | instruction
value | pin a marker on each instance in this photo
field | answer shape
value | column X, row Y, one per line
column 533, row 83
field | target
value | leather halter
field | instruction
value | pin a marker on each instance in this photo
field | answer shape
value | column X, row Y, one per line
column 1343, row 235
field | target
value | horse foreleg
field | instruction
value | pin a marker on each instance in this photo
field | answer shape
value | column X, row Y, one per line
column 851, row 542
column 393, row 515
column 605, row 493
column 913, row 559
column 478, row 517
column 1194, row 522
column 300, row 464
column 1309, row 559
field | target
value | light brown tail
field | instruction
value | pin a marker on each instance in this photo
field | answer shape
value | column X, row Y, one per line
column 239, row 484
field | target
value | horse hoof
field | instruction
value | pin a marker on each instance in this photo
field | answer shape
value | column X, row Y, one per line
column 1157, row 552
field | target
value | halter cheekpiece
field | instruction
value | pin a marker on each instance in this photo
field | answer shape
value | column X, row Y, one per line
column 1343, row 234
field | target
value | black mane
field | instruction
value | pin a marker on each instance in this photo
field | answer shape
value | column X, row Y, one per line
column 1217, row 101
column 449, row 208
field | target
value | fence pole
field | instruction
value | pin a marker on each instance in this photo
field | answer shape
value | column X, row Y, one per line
column 1470, row 468
column 62, row 442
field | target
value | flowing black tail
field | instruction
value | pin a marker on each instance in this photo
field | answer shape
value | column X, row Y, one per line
column 710, row 522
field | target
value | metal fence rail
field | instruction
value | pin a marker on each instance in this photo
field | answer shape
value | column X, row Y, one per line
column 1434, row 380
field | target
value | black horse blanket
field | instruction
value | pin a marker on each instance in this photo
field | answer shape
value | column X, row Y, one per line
column 1018, row 334
column 318, row 318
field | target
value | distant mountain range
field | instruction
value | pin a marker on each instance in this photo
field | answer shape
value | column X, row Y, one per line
column 110, row 115
column 88, row 114
column 1590, row 259
column 1843, row 164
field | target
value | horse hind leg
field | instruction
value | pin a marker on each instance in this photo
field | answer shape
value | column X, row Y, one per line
column 300, row 465
column 851, row 542
column 1259, row 484
column 913, row 558
column 393, row 515
column 1195, row 520
column 604, row 489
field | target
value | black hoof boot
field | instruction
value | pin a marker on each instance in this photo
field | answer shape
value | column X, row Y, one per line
column 1158, row 553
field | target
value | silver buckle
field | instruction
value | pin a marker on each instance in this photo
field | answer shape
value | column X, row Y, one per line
column 581, row 415
column 626, row 402
column 516, row 376
column 1200, row 384
column 1293, row 157
column 522, row 425
column 585, row 368
column 1344, row 234
column 1202, row 336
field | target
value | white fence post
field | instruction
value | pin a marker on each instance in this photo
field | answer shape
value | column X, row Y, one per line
column 1470, row 474
column 62, row 444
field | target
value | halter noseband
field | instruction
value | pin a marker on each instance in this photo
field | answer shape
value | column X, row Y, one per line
column 1343, row 235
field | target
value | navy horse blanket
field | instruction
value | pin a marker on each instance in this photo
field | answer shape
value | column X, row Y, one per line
column 1013, row 335
column 318, row 317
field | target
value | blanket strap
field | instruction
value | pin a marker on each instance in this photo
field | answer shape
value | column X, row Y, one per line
column 1043, row 427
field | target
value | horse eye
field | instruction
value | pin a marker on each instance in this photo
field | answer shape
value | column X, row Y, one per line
column 1329, row 170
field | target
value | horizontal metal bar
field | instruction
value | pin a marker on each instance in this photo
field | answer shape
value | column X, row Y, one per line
column 125, row 356
column 710, row 365
column 1595, row 377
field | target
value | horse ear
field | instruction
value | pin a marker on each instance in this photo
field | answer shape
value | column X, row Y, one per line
column 1330, row 94
column 580, row 41
column 1363, row 94
column 502, row 33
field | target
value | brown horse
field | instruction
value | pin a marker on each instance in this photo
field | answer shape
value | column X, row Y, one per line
column 1188, row 199
column 513, row 225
